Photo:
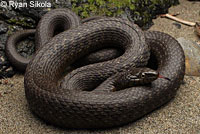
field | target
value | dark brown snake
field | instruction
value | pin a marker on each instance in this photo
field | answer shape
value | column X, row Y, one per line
column 101, row 95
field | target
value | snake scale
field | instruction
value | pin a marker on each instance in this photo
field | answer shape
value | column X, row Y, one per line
column 90, row 96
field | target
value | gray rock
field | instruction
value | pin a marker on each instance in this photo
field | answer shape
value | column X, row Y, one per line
column 3, row 38
column 62, row 3
column 192, row 56
column 3, row 28
column 5, row 68
column 7, row 13
column 26, row 47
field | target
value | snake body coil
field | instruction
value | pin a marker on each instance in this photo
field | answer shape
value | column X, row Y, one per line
column 72, row 101
column 52, row 23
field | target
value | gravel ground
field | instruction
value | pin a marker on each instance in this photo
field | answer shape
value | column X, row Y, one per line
column 180, row 116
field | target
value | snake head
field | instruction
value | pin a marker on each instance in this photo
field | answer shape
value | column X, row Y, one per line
column 141, row 76
column 136, row 77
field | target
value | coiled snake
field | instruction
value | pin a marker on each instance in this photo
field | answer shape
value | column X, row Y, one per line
column 101, row 95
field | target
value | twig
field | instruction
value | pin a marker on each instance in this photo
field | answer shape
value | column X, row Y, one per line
column 179, row 20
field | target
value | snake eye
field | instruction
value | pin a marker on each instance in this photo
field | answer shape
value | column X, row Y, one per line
column 143, row 75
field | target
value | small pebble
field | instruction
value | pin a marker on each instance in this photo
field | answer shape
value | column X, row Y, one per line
column 6, row 82
column 177, row 25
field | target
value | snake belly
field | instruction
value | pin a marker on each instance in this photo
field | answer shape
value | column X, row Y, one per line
column 78, row 106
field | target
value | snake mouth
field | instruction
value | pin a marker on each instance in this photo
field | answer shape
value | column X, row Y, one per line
column 163, row 77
